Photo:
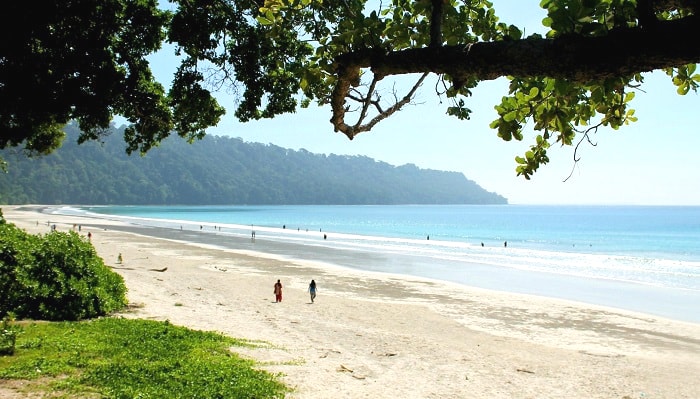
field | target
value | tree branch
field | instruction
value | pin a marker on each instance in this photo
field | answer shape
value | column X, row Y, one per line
column 436, row 24
column 396, row 107
column 352, row 131
column 368, row 100
column 572, row 57
column 645, row 13
column 672, row 5
column 586, row 137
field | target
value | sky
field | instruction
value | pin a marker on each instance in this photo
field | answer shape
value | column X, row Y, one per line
column 653, row 161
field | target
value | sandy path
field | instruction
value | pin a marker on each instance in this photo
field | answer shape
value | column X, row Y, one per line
column 381, row 336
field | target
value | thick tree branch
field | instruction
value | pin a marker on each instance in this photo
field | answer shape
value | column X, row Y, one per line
column 579, row 59
column 571, row 57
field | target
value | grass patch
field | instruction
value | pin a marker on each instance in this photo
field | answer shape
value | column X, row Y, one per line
column 124, row 358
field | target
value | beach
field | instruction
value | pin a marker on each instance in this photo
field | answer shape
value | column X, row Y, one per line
column 387, row 336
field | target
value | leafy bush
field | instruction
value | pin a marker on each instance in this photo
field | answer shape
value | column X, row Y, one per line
column 15, row 255
column 8, row 335
column 57, row 276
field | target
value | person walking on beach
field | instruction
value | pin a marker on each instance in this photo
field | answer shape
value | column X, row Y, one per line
column 312, row 290
column 278, row 291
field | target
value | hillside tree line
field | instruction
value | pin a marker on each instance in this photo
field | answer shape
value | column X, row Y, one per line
column 221, row 171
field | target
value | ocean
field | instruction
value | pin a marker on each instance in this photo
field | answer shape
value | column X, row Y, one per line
column 638, row 258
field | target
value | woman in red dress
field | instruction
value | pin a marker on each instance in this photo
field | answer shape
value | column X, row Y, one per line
column 278, row 291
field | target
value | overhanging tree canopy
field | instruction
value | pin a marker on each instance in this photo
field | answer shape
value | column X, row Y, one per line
column 86, row 60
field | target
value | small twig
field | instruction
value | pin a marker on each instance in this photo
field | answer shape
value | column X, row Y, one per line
column 586, row 137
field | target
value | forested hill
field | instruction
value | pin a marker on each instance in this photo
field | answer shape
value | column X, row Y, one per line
column 222, row 170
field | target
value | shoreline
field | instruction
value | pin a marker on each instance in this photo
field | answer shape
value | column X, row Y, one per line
column 375, row 334
column 302, row 247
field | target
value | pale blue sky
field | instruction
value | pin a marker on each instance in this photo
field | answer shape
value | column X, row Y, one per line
column 651, row 162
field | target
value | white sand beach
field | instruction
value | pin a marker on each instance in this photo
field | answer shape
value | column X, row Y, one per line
column 384, row 336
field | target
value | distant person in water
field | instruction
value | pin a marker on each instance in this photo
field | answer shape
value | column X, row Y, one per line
column 505, row 244
column 278, row 291
column 312, row 290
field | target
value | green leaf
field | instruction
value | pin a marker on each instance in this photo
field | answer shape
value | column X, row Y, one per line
column 510, row 116
column 514, row 33
column 264, row 21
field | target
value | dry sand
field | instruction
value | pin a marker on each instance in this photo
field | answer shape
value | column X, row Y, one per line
column 383, row 336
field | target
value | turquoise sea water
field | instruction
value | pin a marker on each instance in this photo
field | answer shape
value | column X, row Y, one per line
column 632, row 257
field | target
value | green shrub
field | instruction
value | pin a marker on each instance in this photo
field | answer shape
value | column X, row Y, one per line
column 57, row 276
column 8, row 335
column 15, row 256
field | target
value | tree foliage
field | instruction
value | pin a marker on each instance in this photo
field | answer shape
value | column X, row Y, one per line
column 86, row 60
column 57, row 276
